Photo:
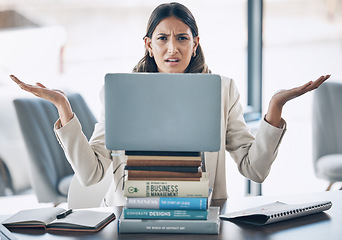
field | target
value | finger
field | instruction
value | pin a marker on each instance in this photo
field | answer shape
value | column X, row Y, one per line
column 40, row 85
column 15, row 79
column 326, row 77
column 305, row 87
column 27, row 87
column 320, row 80
column 60, row 91
column 21, row 84
column 315, row 84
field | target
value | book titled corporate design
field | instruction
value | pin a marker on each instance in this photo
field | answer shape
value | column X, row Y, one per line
column 209, row 226
column 164, row 214
column 153, row 188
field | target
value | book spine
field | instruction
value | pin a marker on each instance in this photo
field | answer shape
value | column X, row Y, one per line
column 166, row 174
column 165, row 168
column 168, row 203
column 139, row 162
column 163, row 179
column 164, row 158
column 139, row 188
column 131, row 213
column 168, row 226
column 298, row 212
column 162, row 153
column 161, row 174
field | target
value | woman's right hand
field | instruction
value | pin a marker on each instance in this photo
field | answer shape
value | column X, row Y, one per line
column 57, row 97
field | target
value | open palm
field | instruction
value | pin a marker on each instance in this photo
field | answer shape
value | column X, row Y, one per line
column 52, row 95
column 284, row 96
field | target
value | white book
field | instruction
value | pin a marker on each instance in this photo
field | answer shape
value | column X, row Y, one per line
column 160, row 188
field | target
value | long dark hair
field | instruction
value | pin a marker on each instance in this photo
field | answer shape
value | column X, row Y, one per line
column 197, row 63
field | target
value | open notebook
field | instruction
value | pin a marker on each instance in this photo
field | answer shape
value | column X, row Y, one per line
column 78, row 220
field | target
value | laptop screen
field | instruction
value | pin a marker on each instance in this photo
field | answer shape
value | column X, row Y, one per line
column 162, row 112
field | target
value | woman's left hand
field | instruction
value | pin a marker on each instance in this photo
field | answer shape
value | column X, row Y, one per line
column 279, row 99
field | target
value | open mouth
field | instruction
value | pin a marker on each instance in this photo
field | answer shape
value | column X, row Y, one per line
column 172, row 60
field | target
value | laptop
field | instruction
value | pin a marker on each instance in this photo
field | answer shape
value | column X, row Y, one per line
column 157, row 112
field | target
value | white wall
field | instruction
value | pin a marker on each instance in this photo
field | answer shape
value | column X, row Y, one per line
column 301, row 41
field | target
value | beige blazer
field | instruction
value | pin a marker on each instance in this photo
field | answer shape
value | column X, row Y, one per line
column 253, row 156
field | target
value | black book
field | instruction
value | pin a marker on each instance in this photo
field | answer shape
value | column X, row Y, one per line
column 77, row 220
column 164, row 168
column 163, row 153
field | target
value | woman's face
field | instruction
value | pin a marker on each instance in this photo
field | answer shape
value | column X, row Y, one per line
column 172, row 45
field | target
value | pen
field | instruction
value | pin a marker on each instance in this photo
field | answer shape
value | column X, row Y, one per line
column 64, row 214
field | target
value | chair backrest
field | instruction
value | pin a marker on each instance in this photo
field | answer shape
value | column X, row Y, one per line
column 84, row 115
column 48, row 162
column 327, row 118
column 80, row 196
column 6, row 185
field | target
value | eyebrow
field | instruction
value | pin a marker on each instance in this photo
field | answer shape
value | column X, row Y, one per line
column 179, row 34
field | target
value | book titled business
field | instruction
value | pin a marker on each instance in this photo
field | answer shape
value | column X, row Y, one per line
column 152, row 188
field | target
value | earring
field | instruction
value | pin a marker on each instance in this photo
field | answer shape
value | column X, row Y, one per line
column 194, row 54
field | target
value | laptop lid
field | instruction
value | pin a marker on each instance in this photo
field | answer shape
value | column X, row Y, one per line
column 162, row 112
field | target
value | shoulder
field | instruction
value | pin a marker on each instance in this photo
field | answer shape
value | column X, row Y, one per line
column 102, row 94
column 227, row 82
column 228, row 85
column 102, row 90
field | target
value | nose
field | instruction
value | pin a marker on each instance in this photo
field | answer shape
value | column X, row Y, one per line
column 172, row 46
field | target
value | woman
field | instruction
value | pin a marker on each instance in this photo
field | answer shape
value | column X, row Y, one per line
column 172, row 46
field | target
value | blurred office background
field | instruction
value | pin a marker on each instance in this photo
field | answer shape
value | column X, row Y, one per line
column 72, row 44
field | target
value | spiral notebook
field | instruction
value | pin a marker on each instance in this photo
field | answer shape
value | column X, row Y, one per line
column 276, row 212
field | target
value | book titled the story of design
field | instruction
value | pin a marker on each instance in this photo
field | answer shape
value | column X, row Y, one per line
column 168, row 203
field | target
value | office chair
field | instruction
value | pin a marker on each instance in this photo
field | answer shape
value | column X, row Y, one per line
column 6, row 185
column 327, row 132
column 50, row 171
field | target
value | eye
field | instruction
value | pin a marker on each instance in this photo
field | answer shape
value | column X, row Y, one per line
column 163, row 38
column 183, row 38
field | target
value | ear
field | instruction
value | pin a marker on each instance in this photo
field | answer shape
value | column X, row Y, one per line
column 148, row 44
column 196, row 42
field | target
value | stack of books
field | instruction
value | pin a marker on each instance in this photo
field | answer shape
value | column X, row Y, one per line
column 167, row 194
